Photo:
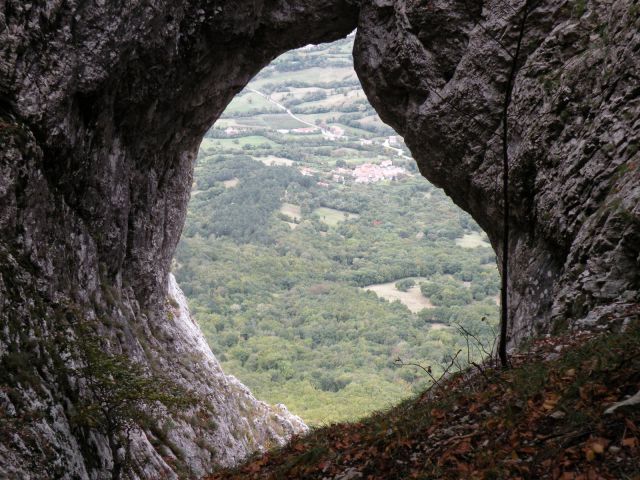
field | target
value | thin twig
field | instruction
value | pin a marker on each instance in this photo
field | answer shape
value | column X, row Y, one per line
column 482, row 372
column 467, row 334
column 451, row 364
column 398, row 361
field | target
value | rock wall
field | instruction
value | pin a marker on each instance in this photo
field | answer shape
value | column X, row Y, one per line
column 243, row 424
column 437, row 72
column 102, row 108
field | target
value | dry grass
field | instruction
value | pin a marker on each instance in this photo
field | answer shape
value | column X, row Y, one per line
column 291, row 210
column 472, row 240
column 412, row 299
column 231, row 183
column 277, row 161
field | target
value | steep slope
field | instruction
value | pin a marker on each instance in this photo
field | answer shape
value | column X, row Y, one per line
column 243, row 424
column 226, row 425
column 554, row 415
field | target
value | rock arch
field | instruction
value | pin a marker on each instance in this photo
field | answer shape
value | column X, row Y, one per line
column 103, row 105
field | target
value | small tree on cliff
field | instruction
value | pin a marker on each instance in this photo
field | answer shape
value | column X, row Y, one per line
column 120, row 396
column 508, row 96
column 524, row 13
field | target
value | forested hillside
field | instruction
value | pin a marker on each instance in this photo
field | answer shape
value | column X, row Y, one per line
column 314, row 255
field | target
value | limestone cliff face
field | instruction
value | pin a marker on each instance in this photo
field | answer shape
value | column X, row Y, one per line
column 102, row 107
column 437, row 72
column 225, row 426
column 243, row 424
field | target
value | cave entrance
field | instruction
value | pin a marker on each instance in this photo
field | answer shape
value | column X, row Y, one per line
column 314, row 254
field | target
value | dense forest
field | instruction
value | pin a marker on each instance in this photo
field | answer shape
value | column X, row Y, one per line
column 310, row 281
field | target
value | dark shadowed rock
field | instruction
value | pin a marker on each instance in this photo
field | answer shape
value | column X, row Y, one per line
column 437, row 72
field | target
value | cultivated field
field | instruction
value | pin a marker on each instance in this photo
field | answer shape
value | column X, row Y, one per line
column 473, row 240
column 274, row 121
column 212, row 146
column 310, row 75
column 291, row 210
column 412, row 299
column 333, row 217
column 249, row 101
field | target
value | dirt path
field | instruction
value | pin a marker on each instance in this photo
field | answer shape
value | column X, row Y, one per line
column 399, row 152
column 289, row 112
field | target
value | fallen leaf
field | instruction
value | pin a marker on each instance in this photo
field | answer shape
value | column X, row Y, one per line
column 437, row 413
column 463, row 448
column 550, row 401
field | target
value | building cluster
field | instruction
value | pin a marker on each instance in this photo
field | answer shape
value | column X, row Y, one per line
column 333, row 132
column 308, row 171
column 372, row 173
column 369, row 173
column 340, row 175
column 232, row 131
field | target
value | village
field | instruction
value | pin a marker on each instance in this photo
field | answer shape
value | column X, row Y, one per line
column 364, row 173
column 369, row 173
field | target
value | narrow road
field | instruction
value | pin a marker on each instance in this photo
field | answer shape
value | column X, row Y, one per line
column 289, row 112
column 399, row 152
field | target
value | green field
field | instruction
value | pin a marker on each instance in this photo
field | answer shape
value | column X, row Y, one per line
column 311, row 75
column 272, row 121
column 333, row 217
column 236, row 143
column 249, row 101
column 312, row 117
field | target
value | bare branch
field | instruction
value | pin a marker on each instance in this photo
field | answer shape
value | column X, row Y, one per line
column 399, row 362
column 504, row 294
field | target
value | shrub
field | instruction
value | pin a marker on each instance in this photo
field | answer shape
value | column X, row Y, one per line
column 121, row 395
column 405, row 284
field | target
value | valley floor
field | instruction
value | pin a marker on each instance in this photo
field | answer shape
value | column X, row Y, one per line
column 542, row 419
